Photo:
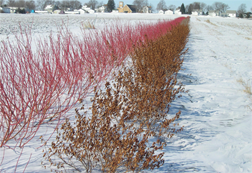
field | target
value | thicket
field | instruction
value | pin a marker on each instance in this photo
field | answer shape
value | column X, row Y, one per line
column 129, row 123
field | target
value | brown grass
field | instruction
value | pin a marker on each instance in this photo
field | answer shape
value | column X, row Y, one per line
column 131, row 111
column 246, row 86
column 208, row 21
column 88, row 25
column 248, row 38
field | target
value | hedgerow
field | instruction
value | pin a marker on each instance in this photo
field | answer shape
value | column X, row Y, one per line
column 129, row 113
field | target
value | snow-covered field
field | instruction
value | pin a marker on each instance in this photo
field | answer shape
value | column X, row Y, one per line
column 216, row 112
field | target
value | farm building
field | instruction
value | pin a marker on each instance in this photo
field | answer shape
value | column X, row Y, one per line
column 15, row 9
column 161, row 12
column 127, row 8
column 177, row 11
column 169, row 12
column 50, row 8
column 146, row 9
column 213, row 13
column 231, row 13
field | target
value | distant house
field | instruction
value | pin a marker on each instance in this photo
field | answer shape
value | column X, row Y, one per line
column 69, row 9
column 4, row 10
column 50, row 8
column 114, row 11
column 87, row 9
column 214, row 13
column 231, row 13
column 169, row 12
column 56, row 11
column 177, row 11
column 81, row 11
column 248, row 13
column 146, row 9
column 161, row 12
column 15, row 9
column 101, row 9
column 197, row 12
column 127, row 8
column 91, row 11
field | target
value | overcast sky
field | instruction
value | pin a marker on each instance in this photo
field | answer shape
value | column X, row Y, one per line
column 233, row 4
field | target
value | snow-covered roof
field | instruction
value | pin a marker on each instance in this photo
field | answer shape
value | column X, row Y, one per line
column 48, row 7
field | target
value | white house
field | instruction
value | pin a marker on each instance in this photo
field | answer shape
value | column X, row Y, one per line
column 115, row 11
column 87, row 9
column 14, row 9
column 146, row 9
column 169, row 12
column 231, row 13
column 50, row 8
column 161, row 12
column 81, row 11
column 177, row 11
column 101, row 9
column 195, row 13
column 213, row 13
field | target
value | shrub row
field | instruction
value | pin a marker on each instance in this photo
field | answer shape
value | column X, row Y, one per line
column 42, row 84
column 128, row 114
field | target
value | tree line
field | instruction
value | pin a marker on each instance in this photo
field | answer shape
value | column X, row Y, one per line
column 139, row 4
column 188, row 9
column 64, row 4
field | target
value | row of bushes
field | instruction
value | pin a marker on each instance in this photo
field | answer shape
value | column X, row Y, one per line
column 41, row 84
column 128, row 125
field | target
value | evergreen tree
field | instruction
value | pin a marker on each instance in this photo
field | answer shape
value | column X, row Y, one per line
column 111, row 5
column 182, row 8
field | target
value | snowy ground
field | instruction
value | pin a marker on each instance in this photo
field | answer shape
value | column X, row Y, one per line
column 216, row 112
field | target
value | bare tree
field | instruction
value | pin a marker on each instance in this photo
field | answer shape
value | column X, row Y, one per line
column 92, row 4
column 1, row 3
column 139, row 4
column 161, row 5
column 20, row 3
column 189, row 9
column 203, row 6
column 145, row 3
column 151, row 8
column 30, row 5
column 219, row 6
column 172, row 7
column 11, row 3
column 57, row 3
column 241, row 10
column 100, row 4
column 75, row 4
column 64, row 5
column 209, row 8
column 196, row 5
column 41, row 4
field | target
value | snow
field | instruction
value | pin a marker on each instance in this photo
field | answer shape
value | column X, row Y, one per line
column 216, row 112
